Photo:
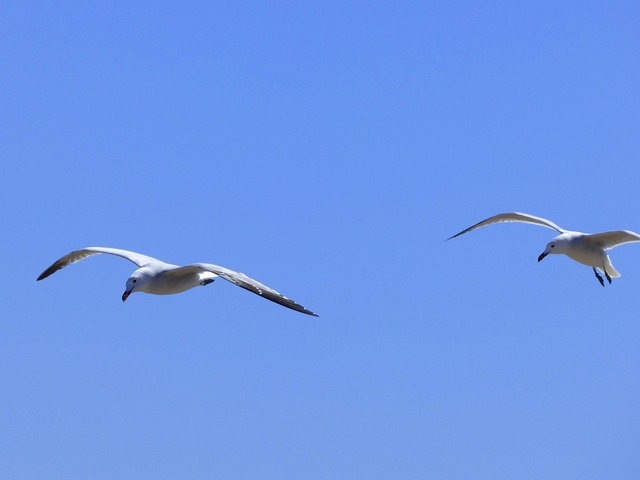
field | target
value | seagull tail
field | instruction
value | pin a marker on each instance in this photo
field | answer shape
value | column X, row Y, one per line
column 611, row 270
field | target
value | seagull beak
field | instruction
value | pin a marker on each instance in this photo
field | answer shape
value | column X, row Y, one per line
column 542, row 255
column 126, row 294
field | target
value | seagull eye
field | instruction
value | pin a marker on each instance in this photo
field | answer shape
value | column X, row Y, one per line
column 134, row 280
column 551, row 247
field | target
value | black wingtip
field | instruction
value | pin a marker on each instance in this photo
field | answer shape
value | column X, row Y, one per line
column 46, row 273
column 301, row 309
column 456, row 235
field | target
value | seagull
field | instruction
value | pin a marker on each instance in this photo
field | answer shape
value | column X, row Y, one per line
column 160, row 278
column 586, row 248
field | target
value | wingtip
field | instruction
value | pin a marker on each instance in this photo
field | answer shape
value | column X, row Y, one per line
column 45, row 274
column 299, row 308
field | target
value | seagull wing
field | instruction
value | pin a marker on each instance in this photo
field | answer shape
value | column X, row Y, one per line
column 241, row 280
column 78, row 255
column 512, row 217
column 609, row 240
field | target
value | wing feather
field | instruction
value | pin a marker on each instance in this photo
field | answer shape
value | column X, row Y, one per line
column 512, row 217
column 608, row 240
column 78, row 255
column 241, row 280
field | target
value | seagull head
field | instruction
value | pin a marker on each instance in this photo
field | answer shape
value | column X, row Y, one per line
column 557, row 245
column 134, row 283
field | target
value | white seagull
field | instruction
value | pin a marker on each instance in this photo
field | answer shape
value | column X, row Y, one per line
column 160, row 278
column 586, row 248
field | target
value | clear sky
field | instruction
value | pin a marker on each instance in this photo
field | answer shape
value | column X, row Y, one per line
column 326, row 149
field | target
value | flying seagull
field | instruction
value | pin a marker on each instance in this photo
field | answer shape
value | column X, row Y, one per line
column 160, row 278
column 587, row 248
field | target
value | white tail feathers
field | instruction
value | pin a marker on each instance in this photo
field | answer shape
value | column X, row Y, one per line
column 613, row 273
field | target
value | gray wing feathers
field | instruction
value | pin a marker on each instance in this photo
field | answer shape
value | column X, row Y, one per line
column 78, row 255
column 612, row 239
column 512, row 217
column 241, row 280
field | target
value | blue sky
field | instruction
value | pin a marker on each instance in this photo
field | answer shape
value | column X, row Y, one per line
column 327, row 150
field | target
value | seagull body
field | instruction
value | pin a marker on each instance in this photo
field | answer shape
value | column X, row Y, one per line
column 586, row 248
column 160, row 278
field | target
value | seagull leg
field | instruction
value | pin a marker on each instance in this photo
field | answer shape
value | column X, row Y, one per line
column 606, row 275
column 599, row 277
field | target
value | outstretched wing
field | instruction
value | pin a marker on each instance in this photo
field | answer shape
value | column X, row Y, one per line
column 78, row 255
column 512, row 217
column 241, row 280
column 609, row 240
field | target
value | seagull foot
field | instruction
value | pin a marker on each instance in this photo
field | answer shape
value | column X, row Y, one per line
column 608, row 277
column 599, row 277
column 207, row 281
